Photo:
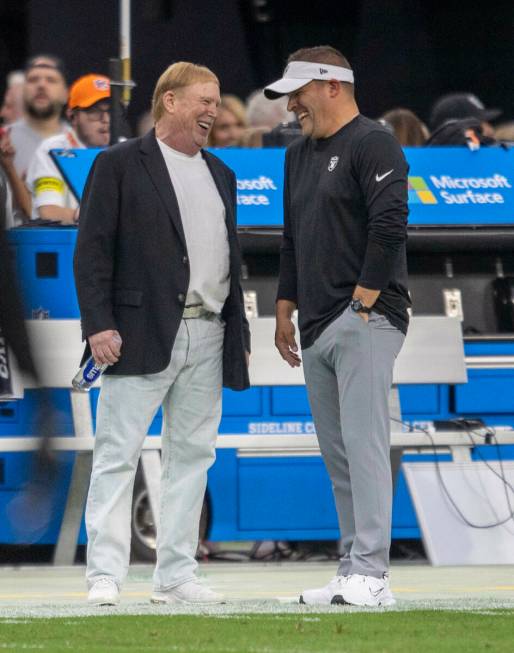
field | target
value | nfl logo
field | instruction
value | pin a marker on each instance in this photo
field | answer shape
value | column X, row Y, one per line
column 101, row 84
column 40, row 313
column 333, row 162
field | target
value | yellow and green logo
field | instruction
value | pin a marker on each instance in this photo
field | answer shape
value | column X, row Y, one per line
column 419, row 192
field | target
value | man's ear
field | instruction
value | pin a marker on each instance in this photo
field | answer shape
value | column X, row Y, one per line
column 334, row 88
column 70, row 114
column 169, row 100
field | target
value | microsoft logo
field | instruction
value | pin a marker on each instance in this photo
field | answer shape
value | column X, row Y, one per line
column 419, row 193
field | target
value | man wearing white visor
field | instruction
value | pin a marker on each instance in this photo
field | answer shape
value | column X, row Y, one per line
column 300, row 73
column 343, row 265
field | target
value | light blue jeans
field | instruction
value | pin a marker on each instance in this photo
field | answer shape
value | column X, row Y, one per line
column 189, row 390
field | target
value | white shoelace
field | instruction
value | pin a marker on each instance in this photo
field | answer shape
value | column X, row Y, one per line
column 104, row 582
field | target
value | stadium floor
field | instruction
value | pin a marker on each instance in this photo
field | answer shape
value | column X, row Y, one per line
column 256, row 587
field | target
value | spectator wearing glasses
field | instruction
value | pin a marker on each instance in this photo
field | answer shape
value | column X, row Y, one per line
column 89, row 117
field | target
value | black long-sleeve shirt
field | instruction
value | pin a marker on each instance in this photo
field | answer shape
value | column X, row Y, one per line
column 345, row 224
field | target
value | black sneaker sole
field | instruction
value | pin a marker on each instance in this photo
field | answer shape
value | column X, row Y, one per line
column 103, row 604
column 337, row 599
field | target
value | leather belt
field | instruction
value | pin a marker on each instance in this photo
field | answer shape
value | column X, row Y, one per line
column 194, row 311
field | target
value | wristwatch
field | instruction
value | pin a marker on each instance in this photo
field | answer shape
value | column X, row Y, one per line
column 358, row 307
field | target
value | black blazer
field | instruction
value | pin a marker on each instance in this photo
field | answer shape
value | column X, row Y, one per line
column 131, row 263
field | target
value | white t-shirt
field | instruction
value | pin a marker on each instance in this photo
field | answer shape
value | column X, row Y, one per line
column 44, row 179
column 25, row 141
column 203, row 218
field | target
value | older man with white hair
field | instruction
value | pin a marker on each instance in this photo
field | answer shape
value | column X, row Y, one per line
column 157, row 269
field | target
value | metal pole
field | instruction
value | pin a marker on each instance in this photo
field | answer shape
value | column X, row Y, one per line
column 116, row 106
column 120, row 75
column 125, row 50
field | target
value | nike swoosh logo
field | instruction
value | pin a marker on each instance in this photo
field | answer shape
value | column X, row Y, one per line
column 376, row 592
column 380, row 177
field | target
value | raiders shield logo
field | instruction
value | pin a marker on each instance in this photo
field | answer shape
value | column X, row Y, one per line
column 333, row 162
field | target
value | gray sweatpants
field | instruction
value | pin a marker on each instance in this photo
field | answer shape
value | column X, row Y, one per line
column 348, row 371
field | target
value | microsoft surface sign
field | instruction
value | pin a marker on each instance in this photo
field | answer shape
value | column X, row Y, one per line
column 458, row 187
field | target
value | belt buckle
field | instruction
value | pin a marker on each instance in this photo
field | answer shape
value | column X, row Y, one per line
column 194, row 311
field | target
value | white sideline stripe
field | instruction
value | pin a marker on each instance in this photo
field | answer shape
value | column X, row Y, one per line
column 248, row 443
column 238, row 610
column 291, row 598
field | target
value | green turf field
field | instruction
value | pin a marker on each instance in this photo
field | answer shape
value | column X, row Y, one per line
column 385, row 632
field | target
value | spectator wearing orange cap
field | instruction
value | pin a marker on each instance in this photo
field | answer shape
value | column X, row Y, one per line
column 88, row 113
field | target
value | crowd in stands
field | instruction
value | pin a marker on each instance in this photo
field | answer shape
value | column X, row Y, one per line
column 39, row 113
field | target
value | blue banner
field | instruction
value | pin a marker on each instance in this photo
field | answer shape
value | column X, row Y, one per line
column 447, row 185
column 260, row 184
column 260, row 180
column 456, row 186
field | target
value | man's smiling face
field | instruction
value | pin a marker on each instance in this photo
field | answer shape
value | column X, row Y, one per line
column 309, row 103
column 195, row 108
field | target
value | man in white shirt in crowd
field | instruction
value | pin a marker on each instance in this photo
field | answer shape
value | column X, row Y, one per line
column 88, row 114
column 44, row 96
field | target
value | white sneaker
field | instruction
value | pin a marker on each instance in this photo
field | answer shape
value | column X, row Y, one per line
column 365, row 591
column 324, row 595
column 104, row 591
column 190, row 592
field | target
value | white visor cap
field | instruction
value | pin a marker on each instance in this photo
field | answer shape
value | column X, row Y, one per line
column 300, row 73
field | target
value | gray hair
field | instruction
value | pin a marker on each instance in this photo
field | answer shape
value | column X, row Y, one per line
column 260, row 112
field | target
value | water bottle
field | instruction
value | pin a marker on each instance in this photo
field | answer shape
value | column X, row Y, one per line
column 88, row 374
column 90, row 371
